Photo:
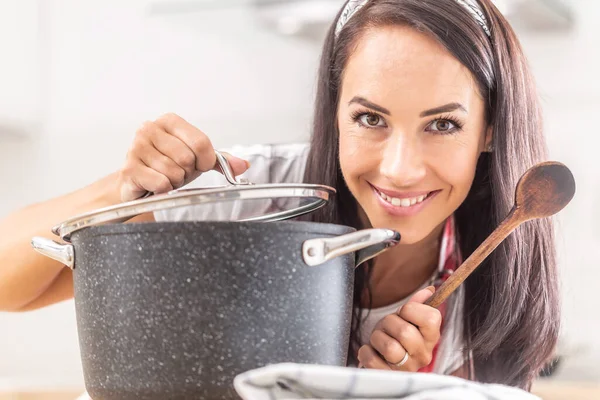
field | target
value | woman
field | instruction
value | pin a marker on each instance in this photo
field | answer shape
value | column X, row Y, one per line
column 425, row 118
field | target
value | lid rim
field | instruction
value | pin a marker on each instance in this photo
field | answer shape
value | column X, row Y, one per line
column 319, row 194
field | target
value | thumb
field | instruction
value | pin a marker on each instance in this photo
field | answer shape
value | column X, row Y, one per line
column 422, row 295
column 238, row 165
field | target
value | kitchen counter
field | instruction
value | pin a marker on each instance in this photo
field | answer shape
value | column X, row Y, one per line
column 560, row 390
column 546, row 389
column 42, row 395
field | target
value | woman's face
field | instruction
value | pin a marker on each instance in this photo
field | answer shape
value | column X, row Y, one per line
column 411, row 124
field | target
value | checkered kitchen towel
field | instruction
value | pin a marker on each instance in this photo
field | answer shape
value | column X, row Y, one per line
column 302, row 381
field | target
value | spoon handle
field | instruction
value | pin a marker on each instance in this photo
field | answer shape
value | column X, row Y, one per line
column 509, row 224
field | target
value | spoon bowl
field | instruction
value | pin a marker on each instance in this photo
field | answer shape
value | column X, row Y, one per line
column 542, row 191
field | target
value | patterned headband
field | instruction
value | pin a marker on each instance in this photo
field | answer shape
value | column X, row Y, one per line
column 352, row 6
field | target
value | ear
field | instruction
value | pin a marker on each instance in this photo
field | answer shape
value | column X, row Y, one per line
column 489, row 134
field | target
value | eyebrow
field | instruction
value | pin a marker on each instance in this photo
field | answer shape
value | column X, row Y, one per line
column 437, row 110
column 442, row 109
column 367, row 103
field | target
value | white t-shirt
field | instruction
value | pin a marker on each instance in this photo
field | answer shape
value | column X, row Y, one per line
column 285, row 163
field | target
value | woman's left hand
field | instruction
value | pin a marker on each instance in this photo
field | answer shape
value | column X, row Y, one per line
column 415, row 329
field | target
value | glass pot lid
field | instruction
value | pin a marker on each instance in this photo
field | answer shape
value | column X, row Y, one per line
column 241, row 200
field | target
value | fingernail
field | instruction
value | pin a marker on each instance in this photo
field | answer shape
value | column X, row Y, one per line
column 247, row 163
column 431, row 289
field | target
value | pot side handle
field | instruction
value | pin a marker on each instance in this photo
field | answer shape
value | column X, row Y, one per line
column 367, row 244
column 60, row 252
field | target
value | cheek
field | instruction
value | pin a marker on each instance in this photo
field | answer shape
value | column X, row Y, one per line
column 354, row 160
column 349, row 149
column 457, row 169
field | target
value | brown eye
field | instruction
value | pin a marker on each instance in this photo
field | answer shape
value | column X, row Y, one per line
column 371, row 120
column 443, row 126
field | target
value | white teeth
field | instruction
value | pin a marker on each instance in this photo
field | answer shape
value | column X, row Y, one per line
column 406, row 202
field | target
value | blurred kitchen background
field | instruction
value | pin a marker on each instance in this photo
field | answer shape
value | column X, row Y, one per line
column 78, row 77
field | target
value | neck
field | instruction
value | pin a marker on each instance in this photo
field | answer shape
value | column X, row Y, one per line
column 403, row 269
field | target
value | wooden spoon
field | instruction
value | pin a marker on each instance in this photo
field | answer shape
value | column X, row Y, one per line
column 542, row 191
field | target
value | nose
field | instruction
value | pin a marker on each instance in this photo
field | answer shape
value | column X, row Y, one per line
column 402, row 162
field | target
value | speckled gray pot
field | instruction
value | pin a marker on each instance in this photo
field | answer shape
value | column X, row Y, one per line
column 175, row 310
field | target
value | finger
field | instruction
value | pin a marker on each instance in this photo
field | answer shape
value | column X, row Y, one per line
column 390, row 349
column 157, row 161
column 422, row 295
column 427, row 319
column 409, row 337
column 140, row 179
column 370, row 359
column 238, row 165
column 173, row 148
column 193, row 138
column 199, row 144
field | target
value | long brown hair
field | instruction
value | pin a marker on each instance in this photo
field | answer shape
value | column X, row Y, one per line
column 511, row 319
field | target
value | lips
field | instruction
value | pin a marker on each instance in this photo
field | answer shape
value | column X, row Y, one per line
column 403, row 203
column 403, row 199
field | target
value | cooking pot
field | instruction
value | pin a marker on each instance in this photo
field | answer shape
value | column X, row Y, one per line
column 175, row 310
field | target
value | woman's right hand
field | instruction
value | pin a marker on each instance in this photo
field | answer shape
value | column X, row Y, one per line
column 166, row 154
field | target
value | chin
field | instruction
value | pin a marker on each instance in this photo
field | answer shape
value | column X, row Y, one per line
column 410, row 235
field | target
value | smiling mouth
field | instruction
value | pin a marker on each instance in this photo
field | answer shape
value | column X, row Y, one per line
column 405, row 202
